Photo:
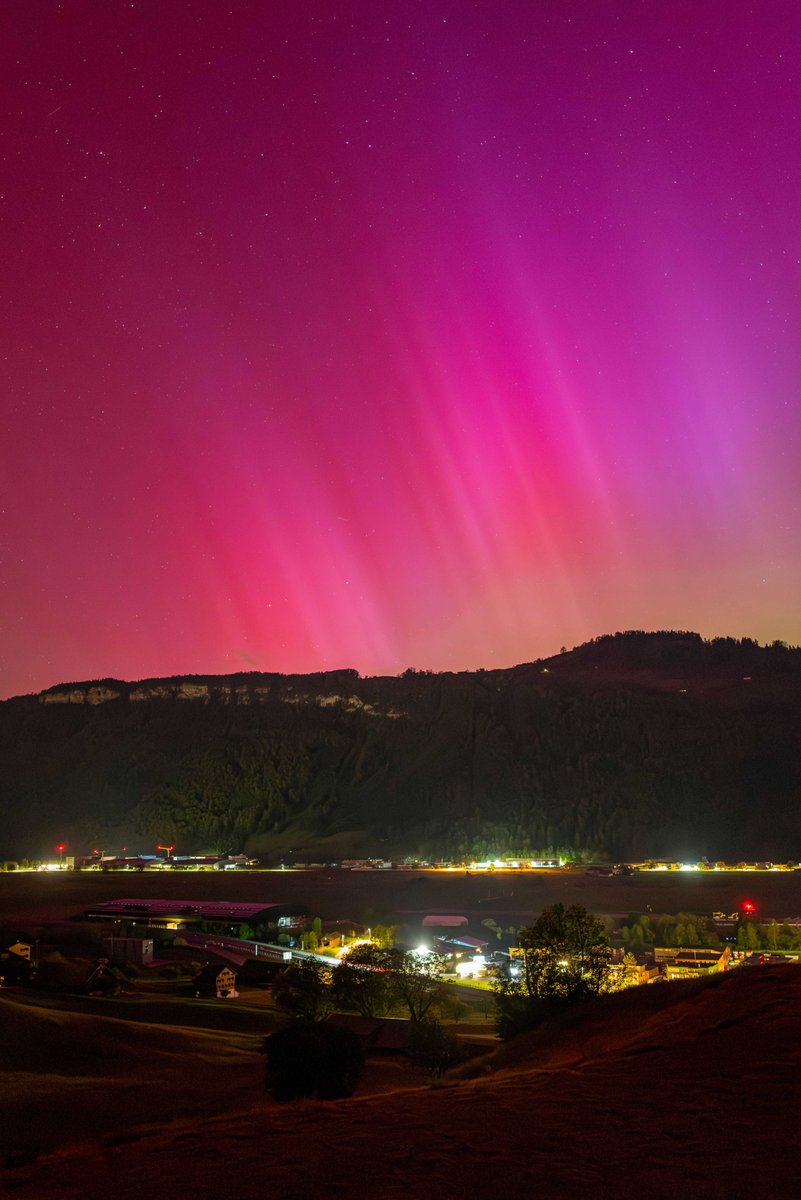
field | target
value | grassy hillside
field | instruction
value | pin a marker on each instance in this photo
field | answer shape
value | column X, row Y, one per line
column 72, row 1077
column 692, row 1086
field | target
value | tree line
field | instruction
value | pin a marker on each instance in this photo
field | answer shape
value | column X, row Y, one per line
column 599, row 753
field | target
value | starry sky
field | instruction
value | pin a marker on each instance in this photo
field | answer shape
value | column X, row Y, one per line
column 391, row 333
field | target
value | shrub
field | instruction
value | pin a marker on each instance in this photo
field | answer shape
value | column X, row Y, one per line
column 434, row 1048
column 303, row 990
column 311, row 1058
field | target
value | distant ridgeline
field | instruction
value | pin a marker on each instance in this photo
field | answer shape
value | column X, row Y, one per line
column 631, row 745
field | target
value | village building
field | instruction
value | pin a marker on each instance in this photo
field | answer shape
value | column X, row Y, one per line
column 687, row 962
column 15, row 964
column 137, row 951
column 460, row 944
column 215, row 981
column 218, row 916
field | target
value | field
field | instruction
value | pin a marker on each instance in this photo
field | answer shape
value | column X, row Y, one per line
column 33, row 901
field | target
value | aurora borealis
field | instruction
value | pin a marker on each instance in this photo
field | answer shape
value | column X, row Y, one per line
column 388, row 334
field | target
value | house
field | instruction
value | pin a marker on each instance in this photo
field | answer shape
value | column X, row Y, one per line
column 647, row 968
column 460, row 943
column 687, row 962
column 633, row 970
column 213, row 980
column 15, row 965
column 138, row 951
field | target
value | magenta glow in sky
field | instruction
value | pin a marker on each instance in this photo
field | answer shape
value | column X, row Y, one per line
column 430, row 334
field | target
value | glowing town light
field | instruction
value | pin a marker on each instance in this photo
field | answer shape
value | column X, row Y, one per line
column 344, row 951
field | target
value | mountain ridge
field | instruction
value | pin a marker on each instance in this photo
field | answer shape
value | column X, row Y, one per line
column 629, row 745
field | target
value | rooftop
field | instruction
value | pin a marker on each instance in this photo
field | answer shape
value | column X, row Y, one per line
column 209, row 910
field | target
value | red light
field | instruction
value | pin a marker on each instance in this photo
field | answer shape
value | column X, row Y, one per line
column 748, row 906
column 61, row 847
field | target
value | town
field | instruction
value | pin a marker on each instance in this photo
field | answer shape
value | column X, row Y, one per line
column 141, row 934
column 166, row 859
column 322, row 982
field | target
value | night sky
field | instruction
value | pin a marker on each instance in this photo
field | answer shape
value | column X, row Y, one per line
column 394, row 333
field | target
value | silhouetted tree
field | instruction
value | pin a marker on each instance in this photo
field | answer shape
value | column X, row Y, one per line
column 312, row 1058
column 376, row 979
column 435, row 1048
column 415, row 980
column 566, row 954
column 566, row 958
column 303, row 990
column 362, row 982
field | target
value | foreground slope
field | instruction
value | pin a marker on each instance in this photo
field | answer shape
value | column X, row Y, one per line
column 692, row 1088
column 633, row 745
column 68, row 1076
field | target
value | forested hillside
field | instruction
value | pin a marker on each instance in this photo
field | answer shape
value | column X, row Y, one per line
column 631, row 745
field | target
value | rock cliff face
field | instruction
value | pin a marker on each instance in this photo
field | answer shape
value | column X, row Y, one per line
column 633, row 745
column 79, row 695
column 219, row 692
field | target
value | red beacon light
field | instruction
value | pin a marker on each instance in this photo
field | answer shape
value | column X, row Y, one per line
column 748, row 906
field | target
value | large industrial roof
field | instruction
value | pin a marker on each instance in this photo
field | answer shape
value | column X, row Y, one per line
column 434, row 920
column 209, row 910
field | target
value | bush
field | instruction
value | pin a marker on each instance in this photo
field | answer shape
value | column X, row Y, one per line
column 516, row 1013
column 303, row 989
column 434, row 1048
column 310, row 1058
